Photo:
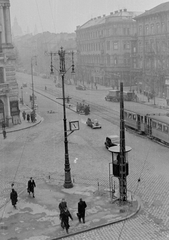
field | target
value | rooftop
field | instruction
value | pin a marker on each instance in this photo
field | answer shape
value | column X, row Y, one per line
column 121, row 15
column 164, row 7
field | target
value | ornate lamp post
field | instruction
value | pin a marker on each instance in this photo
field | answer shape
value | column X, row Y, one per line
column 33, row 103
column 68, row 182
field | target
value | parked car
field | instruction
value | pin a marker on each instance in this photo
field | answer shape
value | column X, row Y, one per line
column 113, row 96
column 112, row 140
column 130, row 96
column 81, row 87
column 93, row 124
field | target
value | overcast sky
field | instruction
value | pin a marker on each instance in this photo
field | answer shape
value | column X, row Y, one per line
column 64, row 15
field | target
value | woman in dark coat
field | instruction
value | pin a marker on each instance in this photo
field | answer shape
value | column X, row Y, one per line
column 65, row 215
column 81, row 210
column 14, row 197
column 28, row 117
column 31, row 186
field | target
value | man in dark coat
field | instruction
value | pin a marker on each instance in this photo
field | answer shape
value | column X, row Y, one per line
column 31, row 186
column 13, row 197
column 65, row 215
column 24, row 115
column 81, row 210
column 62, row 207
column 28, row 117
column 4, row 133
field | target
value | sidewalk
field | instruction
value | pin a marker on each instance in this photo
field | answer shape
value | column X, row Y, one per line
column 24, row 123
column 38, row 218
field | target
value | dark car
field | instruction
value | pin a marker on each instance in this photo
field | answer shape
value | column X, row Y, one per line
column 81, row 87
column 93, row 124
column 113, row 96
column 111, row 141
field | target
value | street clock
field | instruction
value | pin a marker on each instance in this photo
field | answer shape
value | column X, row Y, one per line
column 74, row 125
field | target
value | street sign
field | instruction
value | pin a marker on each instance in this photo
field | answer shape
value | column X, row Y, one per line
column 74, row 125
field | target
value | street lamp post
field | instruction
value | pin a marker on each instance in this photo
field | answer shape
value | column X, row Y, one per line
column 68, row 182
column 33, row 103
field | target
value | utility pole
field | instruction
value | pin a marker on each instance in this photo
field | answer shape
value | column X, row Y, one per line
column 123, row 170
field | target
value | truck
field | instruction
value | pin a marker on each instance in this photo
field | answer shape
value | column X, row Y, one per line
column 113, row 96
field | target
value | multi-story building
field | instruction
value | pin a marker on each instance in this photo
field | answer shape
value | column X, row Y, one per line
column 106, row 49
column 153, row 48
column 9, row 107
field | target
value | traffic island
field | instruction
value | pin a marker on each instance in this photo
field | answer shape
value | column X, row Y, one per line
column 39, row 217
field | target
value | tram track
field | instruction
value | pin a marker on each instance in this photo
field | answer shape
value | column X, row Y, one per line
column 110, row 115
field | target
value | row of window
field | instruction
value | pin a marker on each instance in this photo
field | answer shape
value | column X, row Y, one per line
column 105, row 32
column 100, row 46
column 159, row 126
column 154, row 45
column 154, row 28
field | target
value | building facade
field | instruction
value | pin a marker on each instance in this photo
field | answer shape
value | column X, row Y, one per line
column 153, row 48
column 9, row 105
column 106, row 51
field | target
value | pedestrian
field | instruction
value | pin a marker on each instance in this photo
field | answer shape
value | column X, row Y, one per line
column 13, row 196
column 24, row 115
column 65, row 215
column 62, row 207
column 31, row 186
column 32, row 117
column 4, row 133
column 81, row 210
column 28, row 117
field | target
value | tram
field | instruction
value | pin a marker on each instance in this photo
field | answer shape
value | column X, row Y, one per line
column 159, row 128
column 147, row 120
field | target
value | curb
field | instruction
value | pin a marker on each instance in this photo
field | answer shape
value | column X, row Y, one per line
column 16, row 130
column 102, row 225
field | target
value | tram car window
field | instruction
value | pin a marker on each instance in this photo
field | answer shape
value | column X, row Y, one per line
column 159, row 126
column 165, row 129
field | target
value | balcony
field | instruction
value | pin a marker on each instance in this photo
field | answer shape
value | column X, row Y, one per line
column 4, row 88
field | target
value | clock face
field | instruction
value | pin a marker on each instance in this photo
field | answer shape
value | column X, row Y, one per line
column 74, row 125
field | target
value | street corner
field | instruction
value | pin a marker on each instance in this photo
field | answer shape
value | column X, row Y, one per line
column 107, row 209
column 37, row 216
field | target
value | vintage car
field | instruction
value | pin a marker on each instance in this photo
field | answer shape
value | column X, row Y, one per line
column 113, row 96
column 93, row 124
column 130, row 96
column 112, row 140
column 81, row 87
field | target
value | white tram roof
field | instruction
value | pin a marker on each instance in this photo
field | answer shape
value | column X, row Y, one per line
column 143, row 109
column 162, row 119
